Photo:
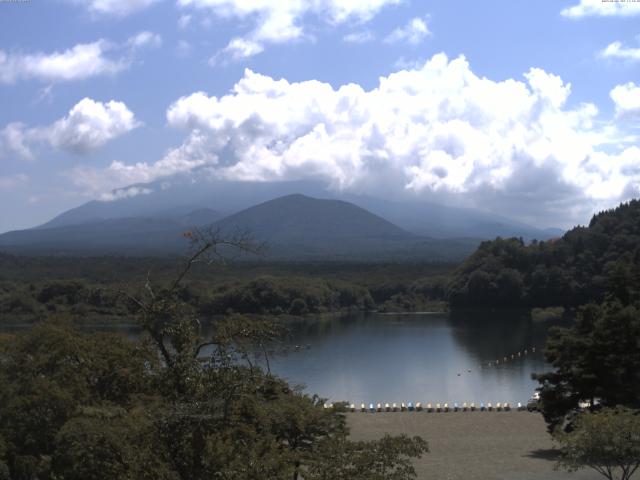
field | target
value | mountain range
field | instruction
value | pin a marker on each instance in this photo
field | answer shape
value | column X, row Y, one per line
column 294, row 225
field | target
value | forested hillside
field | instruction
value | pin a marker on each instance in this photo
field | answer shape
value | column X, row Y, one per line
column 586, row 265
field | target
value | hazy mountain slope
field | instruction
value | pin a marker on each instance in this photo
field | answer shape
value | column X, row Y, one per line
column 114, row 235
column 179, row 195
column 297, row 226
column 294, row 227
column 301, row 219
column 132, row 236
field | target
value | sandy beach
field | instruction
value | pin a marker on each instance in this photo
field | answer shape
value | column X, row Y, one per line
column 473, row 445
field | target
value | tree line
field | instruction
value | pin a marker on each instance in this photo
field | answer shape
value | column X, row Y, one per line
column 588, row 264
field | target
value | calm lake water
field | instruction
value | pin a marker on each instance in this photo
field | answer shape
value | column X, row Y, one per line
column 419, row 357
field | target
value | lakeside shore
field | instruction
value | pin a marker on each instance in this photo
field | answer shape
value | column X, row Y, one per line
column 473, row 445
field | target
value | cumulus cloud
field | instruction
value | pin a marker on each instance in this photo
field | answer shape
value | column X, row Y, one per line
column 626, row 99
column 414, row 32
column 88, row 126
column 280, row 21
column 601, row 8
column 438, row 132
column 617, row 50
column 79, row 62
column 116, row 8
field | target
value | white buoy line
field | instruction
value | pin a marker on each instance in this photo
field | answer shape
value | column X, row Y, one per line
column 431, row 407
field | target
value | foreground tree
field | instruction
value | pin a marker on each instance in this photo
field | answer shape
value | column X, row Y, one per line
column 178, row 406
column 607, row 441
column 597, row 360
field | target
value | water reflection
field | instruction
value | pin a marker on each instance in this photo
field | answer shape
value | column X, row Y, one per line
column 428, row 358
column 401, row 358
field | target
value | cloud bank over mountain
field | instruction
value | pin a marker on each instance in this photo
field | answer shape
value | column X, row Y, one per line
column 439, row 131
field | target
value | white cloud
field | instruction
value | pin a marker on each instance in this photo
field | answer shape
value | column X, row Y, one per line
column 144, row 39
column 122, row 193
column 363, row 36
column 602, row 8
column 80, row 62
column 238, row 48
column 437, row 132
column 626, row 99
column 88, row 126
column 77, row 63
column 195, row 152
column 116, row 8
column 617, row 50
column 280, row 21
column 13, row 141
column 413, row 32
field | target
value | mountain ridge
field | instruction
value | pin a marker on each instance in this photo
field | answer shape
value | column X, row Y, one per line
column 295, row 226
column 229, row 197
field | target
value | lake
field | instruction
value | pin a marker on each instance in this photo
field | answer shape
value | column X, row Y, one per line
column 419, row 357
column 428, row 358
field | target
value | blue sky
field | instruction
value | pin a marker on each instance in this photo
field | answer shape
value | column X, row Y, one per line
column 443, row 104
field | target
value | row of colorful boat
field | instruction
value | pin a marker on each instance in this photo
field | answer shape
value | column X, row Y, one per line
column 438, row 408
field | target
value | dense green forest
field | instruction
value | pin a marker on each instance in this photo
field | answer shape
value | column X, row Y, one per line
column 587, row 264
column 89, row 290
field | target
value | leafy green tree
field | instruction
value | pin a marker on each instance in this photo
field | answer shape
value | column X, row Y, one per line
column 607, row 442
column 386, row 459
column 601, row 261
column 596, row 359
